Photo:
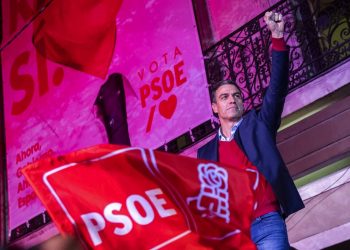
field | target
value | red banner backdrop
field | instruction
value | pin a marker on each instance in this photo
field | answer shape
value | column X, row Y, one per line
column 59, row 54
column 131, row 198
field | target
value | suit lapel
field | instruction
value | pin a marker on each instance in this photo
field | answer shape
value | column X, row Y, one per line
column 213, row 148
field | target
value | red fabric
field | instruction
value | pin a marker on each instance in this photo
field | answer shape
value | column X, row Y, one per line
column 231, row 154
column 279, row 44
column 268, row 202
column 79, row 34
column 92, row 194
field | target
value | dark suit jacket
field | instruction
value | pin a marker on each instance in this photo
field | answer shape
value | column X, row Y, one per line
column 256, row 136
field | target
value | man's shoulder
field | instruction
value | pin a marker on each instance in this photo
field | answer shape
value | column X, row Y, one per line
column 207, row 147
column 209, row 143
column 249, row 117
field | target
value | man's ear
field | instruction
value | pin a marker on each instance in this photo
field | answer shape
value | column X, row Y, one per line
column 214, row 107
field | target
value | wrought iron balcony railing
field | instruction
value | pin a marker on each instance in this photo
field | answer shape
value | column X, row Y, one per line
column 317, row 31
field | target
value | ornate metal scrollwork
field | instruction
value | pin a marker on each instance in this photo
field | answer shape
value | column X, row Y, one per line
column 317, row 31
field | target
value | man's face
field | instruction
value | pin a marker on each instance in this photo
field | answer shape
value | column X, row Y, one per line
column 229, row 103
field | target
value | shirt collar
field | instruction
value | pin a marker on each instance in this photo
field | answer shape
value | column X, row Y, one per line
column 233, row 131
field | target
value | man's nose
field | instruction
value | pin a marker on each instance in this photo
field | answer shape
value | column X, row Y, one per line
column 232, row 99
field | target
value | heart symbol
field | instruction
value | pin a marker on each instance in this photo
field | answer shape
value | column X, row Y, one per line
column 167, row 107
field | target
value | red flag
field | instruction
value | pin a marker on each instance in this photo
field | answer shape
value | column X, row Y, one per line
column 79, row 34
column 132, row 198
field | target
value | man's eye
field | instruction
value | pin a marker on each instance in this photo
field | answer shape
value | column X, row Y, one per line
column 238, row 96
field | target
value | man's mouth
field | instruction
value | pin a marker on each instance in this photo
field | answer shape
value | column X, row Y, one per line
column 233, row 107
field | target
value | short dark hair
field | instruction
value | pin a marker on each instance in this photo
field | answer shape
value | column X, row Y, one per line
column 214, row 87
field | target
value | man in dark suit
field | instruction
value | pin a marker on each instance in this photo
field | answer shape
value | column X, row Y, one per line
column 251, row 139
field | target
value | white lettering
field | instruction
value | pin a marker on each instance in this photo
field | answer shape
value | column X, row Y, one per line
column 139, row 209
column 122, row 219
column 94, row 223
column 159, row 202
column 135, row 214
